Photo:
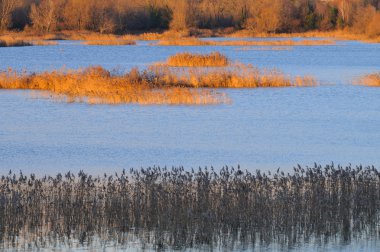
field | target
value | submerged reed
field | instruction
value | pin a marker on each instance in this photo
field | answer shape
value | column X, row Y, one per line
column 213, row 59
column 177, row 208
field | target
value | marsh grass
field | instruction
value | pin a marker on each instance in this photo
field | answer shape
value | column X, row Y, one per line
column 109, row 42
column 198, row 42
column 165, row 208
column 214, row 59
column 11, row 42
column 265, row 48
column 336, row 35
column 96, row 85
column 235, row 75
column 44, row 43
column 159, row 84
column 371, row 80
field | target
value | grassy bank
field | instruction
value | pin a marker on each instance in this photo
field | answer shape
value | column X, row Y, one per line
column 190, row 37
column 175, row 208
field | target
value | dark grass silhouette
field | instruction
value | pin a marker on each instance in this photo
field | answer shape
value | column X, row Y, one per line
column 175, row 208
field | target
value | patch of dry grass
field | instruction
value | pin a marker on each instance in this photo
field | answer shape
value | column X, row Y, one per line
column 233, row 76
column 159, row 84
column 109, row 42
column 371, row 80
column 12, row 42
column 214, row 59
column 339, row 34
column 95, row 85
column 44, row 43
column 265, row 48
column 198, row 42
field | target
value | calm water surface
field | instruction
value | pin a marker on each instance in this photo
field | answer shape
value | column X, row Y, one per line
column 263, row 128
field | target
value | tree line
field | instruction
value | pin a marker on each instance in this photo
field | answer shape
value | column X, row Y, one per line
column 122, row 16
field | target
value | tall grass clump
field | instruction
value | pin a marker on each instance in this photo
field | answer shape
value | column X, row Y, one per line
column 213, row 59
column 234, row 76
column 371, row 80
column 164, row 208
column 97, row 85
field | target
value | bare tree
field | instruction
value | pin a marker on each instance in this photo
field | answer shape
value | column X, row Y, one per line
column 43, row 15
column 6, row 8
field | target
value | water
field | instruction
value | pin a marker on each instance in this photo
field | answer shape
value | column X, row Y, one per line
column 262, row 128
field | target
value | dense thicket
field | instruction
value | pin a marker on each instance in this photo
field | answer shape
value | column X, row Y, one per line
column 120, row 16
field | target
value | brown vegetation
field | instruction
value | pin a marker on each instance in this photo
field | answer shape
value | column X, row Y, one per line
column 109, row 42
column 96, row 85
column 213, row 59
column 255, row 16
column 198, row 42
column 160, row 84
column 11, row 42
column 233, row 76
column 176, row 209
column 371, row 80
column 265, row 48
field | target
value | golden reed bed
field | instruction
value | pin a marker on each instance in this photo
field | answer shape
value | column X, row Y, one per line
column 198, row 42
column 95, row 85
column 234, row 76
column 371, row 80
column 214, row 59
column 9, row 41
column 159, row 84
column 109, row 42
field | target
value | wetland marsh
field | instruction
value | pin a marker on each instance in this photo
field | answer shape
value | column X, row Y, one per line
column 331, row 120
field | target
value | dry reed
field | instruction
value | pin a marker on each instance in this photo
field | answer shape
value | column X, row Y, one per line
column 109, row 42
column 214, row 59
column 265, row 48
column 198, row 42
column 10, row 42
column 371, row 80
column 96, row 85
column 338, row 34
column 163, row 208
column 234, row 76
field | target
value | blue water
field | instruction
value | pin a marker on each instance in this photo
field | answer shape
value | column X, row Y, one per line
column 262, row 128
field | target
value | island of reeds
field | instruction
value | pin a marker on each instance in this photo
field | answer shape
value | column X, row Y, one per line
column 186, row 59
column 371, row 80
column 158, row 84
column 163, row 208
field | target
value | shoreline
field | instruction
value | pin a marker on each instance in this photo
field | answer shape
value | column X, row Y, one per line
column 170, row 34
